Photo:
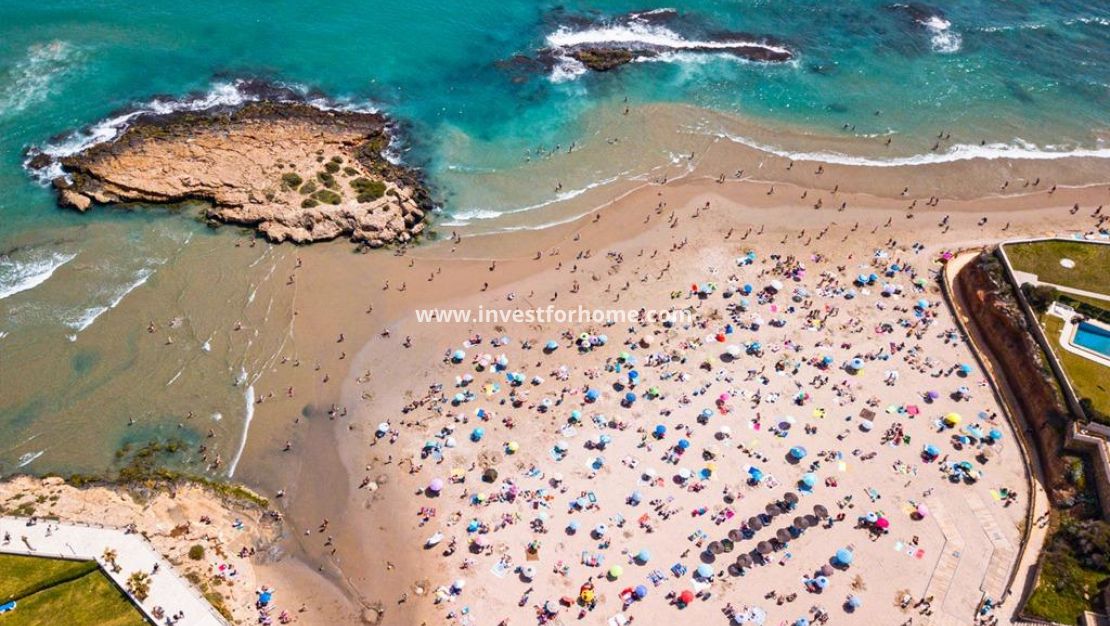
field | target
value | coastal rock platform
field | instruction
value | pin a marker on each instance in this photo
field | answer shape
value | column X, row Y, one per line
column 293, row 171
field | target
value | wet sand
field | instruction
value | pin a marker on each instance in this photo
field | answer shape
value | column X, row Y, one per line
column 373, row 529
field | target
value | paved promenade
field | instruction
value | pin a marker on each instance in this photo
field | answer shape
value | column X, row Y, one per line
column 167, row 589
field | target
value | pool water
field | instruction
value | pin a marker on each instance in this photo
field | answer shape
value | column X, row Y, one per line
column 1093, row 337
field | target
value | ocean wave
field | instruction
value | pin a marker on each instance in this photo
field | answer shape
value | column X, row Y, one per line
column 1019, row 150
column 566, row 69
column 30, row 457
column 248, row 417
column 645, row 35
column 32, row 79
column 88, row 316
column 942, row 38
column 228, row 95
column 466, row 216
column 16, row 277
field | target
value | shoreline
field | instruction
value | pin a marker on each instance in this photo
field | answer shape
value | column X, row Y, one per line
column 1029, row 213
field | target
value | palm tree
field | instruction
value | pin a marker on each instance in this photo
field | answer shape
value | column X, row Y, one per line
column 109, row 557
column 138, row 585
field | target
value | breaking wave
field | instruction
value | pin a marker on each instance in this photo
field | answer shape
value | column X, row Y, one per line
column 31, row 80
column 16, row 276
column 942, row 38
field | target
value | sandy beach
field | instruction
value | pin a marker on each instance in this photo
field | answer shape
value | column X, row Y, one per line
column 508, row 539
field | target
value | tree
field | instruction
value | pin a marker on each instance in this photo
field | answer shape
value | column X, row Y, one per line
column 138, row 585
column 109, row 556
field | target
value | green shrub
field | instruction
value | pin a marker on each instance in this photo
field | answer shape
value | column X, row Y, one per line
column 308, row 187
column 308, row 203
column 327, row 179
column 196, row 552
column 328, row 196
column 368, row 190
column 350, row 171
column 332, row 167
column 291, row 180
column 337, row 159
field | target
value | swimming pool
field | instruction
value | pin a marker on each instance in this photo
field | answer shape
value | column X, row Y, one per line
column 1093, row 337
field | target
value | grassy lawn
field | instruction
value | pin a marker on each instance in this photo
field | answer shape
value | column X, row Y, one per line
column 57, row 591
column 1090, row 379
column 91, row 599
column 1062, row 591
column 24, row 575
column 1043, row 259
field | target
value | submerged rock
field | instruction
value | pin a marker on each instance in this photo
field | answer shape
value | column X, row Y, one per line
column 291, row 170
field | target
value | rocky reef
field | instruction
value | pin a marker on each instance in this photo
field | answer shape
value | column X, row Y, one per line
column 292, row 170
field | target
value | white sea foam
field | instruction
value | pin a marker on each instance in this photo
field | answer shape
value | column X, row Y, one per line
column 464, row 217
column 248, row 397
column 1019, row 150
column 29, row 457
column 16, row 276
column 223, row 94
column 643, row 34
column 942, row 37
column 566, row 69
column 88, row 316
column 31, row 80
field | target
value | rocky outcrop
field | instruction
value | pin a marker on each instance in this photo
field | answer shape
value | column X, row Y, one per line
column 293, row 171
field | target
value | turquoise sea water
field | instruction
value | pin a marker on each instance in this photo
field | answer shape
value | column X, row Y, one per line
column 1026, row 77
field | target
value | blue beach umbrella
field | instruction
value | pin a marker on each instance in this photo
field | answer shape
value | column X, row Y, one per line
column 660, row 431
column 995, row 434
column 844, row 556
column 931, row 451
column 551, row 346
column 755, row 473
column 458, row 356
column 801, row 621
column 629, row 398
column 640, row 592
column 854, row 602
column 683, row 443
column 809, row 479
column 856, row 364
column 797, row 453
column 705, row 571
column 965, row 369
column 591, row 395
column 821, row 582
column 477, row 434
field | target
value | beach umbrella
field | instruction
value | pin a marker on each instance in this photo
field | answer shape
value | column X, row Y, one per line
column 844, row 556
column 790, row 497
column 800, row 522
column 660, row 431
column 871, row 517
column 489, row 475
column 975, row 431
column 512, row 447
column 591, row 395
column 640, row 592
column 744, row 560
column 458, row 356
column 772, row 510
column 965, row 369
column 866, row 425
column 755, row 473
column 932, row 395
column 931, row 451
column 629, row 398
column 995, row 434
column 822, row 582
column 477, row 434
column 801, row 621
column 643, row 556
column 573, row 526
column 783, row 535
column 684, row 474
column 615, row 572
column 714, row 547
column 735, row 534
column 600, row 530
column 528, row 572
column 705, row 571
column 551, row 346
column 265, row 597
column 811, row 520
column 636, row 497
column 733, row 350
column 764, row 548
column 797, row 453
column 775, row 285
column 922, row 510
column 436, row 485
column 755, row 523
column 854, row 602
column 883, row 523
column 922, row 303
column 561, row 446
column 820, row 511
column 825, row 570
column 952, row 419
column 683, row 444
column 809, row 479
column 686, row 597
column 855, row 364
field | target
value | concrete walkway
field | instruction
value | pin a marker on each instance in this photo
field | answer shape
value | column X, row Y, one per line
column 1024, row 571
column 133, row 553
